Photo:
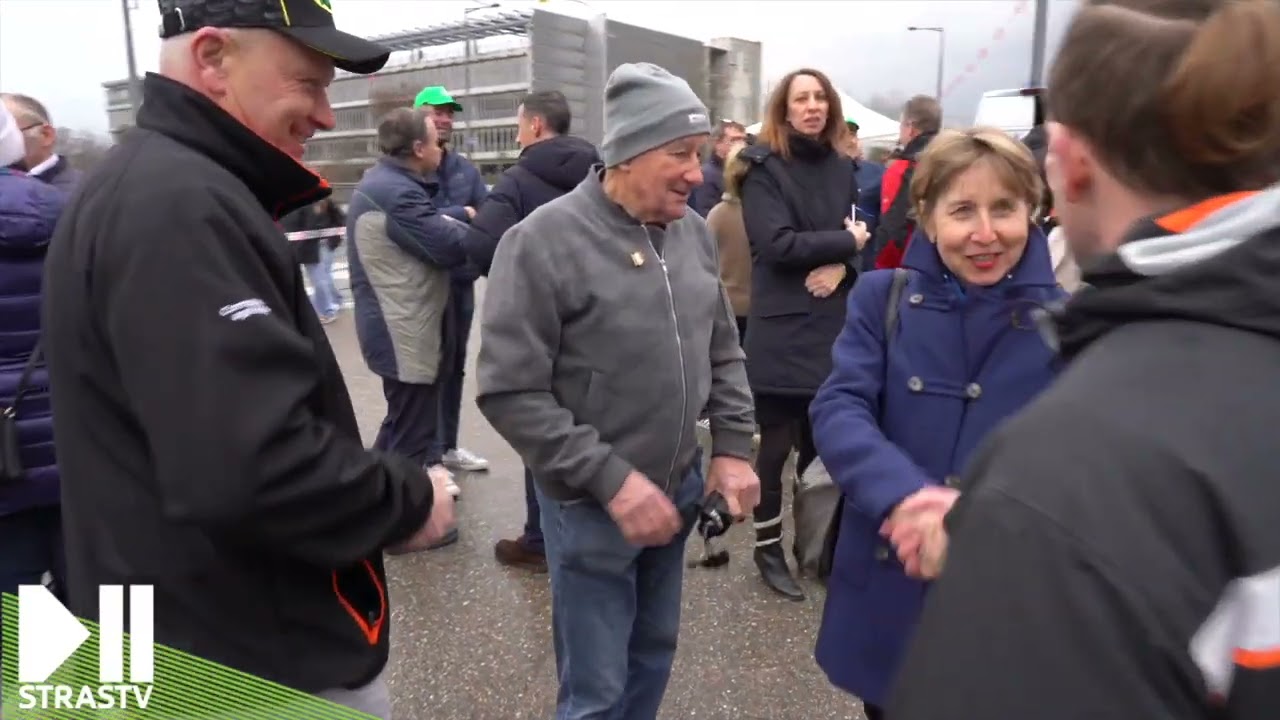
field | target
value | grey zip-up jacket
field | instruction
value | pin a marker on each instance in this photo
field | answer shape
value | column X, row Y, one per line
column 601, row 343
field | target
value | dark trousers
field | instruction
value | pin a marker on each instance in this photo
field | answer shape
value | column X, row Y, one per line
column 742, row 331
column 411, row 427
column 532, row 536
column 784, row 425
column 873, row 712
column 30, row 546
column 464, row 299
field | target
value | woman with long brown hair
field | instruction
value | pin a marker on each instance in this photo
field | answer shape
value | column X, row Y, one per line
column 797, row 200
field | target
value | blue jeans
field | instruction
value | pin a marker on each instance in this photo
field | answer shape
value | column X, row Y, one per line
column 32, row 545
column 531, row 538
column 615, row 608
column 464, row 295
column 325, row 298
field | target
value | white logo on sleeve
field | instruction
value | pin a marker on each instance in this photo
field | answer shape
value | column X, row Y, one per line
column 697, row 118
column 244, row 309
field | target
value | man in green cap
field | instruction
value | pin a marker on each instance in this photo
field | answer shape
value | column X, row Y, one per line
column 460, row 190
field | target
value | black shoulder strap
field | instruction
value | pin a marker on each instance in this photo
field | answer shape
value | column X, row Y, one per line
column 900, row 275
column 24, row 380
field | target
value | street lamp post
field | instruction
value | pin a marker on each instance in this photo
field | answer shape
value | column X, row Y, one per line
column 942, row 52
column 1038, row 43
column 466, row 68
column 135, row 90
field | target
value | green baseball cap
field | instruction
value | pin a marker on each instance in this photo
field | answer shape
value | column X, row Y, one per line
column 436, row 96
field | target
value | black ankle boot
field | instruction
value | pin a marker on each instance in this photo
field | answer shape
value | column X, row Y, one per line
column 773, row 569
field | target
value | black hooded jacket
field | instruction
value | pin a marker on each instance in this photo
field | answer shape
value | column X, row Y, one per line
column 546, row 170
column 1116, row 554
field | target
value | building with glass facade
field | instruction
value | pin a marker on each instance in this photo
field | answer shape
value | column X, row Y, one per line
column 489, row 62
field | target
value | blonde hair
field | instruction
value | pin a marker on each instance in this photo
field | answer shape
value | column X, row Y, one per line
column 953, row 152
column 735, row 171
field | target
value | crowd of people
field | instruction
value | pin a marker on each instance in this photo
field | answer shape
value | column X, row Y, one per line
column 1033, row 369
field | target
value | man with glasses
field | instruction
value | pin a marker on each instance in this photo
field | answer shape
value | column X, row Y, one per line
column 40, row 138
column 724, row 137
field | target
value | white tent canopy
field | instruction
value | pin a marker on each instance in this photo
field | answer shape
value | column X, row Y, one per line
column 871, row 124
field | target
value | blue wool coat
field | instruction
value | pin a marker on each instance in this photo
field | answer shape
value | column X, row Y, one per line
column 962, row 361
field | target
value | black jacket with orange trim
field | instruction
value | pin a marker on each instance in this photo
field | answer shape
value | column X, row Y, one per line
column 1116, row 552
column 207, row 441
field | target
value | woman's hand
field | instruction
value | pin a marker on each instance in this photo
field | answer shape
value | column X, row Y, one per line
column 858, row 229
column 916, row 521
column 823, row 281
column 933, row 548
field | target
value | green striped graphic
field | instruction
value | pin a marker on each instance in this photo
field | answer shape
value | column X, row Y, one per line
column 185, row 687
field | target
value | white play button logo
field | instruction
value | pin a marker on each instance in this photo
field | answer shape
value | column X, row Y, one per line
column 48, row 634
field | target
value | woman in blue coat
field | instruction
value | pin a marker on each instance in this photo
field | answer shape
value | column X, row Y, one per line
column 899, row 417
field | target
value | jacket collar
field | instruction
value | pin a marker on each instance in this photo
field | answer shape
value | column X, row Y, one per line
column 1035, row 267
column 280, row 183
column 400, row 167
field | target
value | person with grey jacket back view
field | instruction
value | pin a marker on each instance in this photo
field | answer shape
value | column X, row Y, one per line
column 598, row 353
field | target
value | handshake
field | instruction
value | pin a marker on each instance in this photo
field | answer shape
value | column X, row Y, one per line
column 440, row 521
column 915, row 529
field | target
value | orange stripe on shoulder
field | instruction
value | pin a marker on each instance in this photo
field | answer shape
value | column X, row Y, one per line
column 1268, row 659
column 1180, row 221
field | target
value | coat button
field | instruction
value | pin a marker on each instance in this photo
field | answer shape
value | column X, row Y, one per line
column 952, row 481
column 974, row 391
column 915, row 384
column 915, row 299
column 882, row 553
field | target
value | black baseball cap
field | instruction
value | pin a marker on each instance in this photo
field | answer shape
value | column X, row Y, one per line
column 309, row 22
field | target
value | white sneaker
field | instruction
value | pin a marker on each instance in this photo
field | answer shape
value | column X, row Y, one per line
column 449, row 485
column 464, row 459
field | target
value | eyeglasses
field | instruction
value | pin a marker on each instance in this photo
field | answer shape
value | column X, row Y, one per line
column 32, row 126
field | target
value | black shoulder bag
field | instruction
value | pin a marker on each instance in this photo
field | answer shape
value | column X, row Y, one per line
column 11, row 470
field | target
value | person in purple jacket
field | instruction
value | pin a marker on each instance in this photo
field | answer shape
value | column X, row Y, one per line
column 30, row 512
column 910, row 397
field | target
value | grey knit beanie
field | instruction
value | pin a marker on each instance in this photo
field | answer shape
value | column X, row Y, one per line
column 646, row 107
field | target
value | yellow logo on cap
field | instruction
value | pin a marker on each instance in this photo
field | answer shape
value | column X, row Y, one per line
column 326, row 5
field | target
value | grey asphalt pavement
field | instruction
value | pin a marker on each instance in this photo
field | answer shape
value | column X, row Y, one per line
column 471, row 639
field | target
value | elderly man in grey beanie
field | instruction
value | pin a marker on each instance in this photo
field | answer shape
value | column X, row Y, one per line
column 605, row 335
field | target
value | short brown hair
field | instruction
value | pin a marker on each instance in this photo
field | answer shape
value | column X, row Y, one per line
column 1191, row 103
column 735, row 171
column 955, row 151
column 775, row 131
column 718, row 132
column 924, row 113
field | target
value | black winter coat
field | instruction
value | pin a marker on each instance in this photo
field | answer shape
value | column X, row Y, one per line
column 546, row 170
column 794, row 212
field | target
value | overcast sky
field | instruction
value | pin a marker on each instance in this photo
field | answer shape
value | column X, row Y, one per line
column 61, row 51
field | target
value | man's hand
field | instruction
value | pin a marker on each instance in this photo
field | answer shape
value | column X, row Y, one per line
column 823, row 281
column 736, row 480
column 858, row 229
column 644, row 514
column 439, row 522
column 909, row 522
column 471, row 212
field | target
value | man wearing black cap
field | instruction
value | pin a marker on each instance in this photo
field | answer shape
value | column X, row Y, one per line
column 207, row 443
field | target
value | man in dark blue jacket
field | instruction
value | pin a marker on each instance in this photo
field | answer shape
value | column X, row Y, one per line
column 40, row 139
column 30, row 509
column 459, row 191
column 551, row 164
column 401, row 252
column 723, row 139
